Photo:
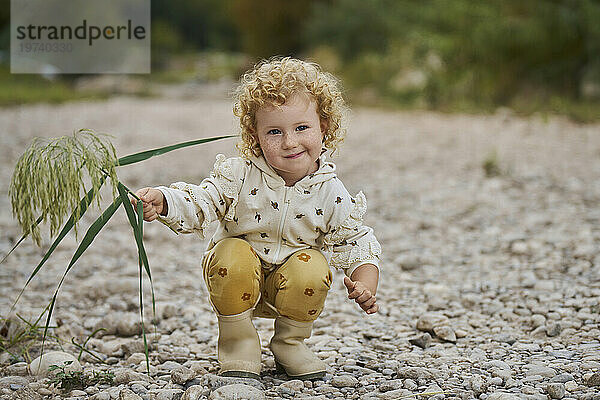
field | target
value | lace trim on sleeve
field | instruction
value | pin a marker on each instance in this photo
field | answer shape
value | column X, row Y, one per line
column 351, row 223
column 223, row 173
column 363, row 251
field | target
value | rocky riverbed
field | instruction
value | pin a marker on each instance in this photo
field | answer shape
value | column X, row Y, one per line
column 490, row 283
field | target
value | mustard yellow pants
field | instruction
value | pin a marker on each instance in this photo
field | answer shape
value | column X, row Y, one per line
column 237, row 282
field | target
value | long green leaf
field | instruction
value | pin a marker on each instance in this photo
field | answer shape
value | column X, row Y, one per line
column 83, row 205
column 144, row 155
column 133, row 222
column 140, row 227
column 137, row 226
column 89, row 237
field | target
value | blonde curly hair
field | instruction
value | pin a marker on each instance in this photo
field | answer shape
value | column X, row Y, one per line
column 275, row 80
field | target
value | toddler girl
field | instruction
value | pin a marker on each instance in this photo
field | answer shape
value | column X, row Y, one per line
column 284, row 219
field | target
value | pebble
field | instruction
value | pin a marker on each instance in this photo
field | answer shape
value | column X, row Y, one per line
column 181, row 375
column 414, row 373
column 195, row 393
column 593, row 380
column 410, row 384
column 423, row 341
column 237, row 391
column 217, row 381
column 553, row 329
column 541, row 370
column 571, row 386
column 342, row 381
column 428, row 321
column 127, row 394
column 445, row 333
column 502, row 396
column 562, row 378
column 18, row 369
column 40, row 365
column 391, row 385
column 169, row 394
column 556, row 390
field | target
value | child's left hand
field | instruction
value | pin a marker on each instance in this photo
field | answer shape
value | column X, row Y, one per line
column 362, row 295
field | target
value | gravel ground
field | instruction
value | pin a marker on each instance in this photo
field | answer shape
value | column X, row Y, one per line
column 490, row 285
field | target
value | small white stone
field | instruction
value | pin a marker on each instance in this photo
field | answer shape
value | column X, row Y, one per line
column 40, row 365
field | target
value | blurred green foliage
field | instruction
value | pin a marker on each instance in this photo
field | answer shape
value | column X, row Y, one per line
column 467, row 55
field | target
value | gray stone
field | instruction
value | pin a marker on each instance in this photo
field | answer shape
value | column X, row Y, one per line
column 237, row 391
column 410, row 384
column 556, row 390
column 423, row 341
column 502, row 396
column 414, row 373
column 101, row 396
column 17, row 369
column 295, row 384
column 125, row 375
column 216, row 381
column 553, row 329
column 571, row 386
column 391, row 385
column 342, row 381
column 541, row 370
column 445, row 333
column 181, row 375
column 128, row 394
column 40, row 365
column 395, row 394
column 538, row 320
column 496, row 364
column 593, row 380
column 428, row 321
column 169, row 394
column 562, row 378
column 478, row 384
column 195, row 393
column 496, row 381
column 505, row 338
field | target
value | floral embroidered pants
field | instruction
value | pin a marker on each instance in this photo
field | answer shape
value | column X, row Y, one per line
column 235, row 279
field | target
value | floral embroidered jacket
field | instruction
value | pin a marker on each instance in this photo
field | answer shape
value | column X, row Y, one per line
column 251, row 201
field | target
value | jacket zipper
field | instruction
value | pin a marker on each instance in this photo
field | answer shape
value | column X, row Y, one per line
column 286, row 204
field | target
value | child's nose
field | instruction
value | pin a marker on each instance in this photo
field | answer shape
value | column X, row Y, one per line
column 289, row 140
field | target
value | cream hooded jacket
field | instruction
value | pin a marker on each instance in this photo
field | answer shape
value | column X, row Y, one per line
column 251, row 201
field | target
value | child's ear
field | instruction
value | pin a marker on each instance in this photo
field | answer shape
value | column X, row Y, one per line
column 324, row 126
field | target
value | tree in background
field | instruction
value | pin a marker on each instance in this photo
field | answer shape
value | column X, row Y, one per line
column 271, row 27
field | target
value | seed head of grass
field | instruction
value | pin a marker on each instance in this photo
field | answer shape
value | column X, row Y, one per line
column 49, row 178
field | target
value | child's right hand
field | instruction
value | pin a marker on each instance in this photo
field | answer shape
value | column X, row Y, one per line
column 153, row 201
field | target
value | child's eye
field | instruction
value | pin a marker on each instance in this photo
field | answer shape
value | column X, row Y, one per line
column 301, row 128
column 274, row 132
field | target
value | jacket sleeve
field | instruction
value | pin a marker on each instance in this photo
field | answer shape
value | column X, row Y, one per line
column 351, row 243
column 191, row 208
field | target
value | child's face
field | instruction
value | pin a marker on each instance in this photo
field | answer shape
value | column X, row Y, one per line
column 291, row 136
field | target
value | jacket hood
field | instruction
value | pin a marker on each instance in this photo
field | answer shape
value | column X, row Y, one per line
column 325, row 172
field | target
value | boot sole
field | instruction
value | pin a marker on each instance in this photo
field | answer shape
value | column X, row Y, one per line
column 305, row 377
column 240, row 374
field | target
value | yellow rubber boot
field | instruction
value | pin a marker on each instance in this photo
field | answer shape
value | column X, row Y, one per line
column 291, row 353
column 239, row 346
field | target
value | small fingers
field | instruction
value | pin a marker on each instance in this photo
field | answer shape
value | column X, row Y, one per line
column 356, row 293
column 366, row 295
column 374, row 308
column 368, row 303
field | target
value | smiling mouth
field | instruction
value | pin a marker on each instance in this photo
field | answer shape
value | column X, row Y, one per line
column 295, row 155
